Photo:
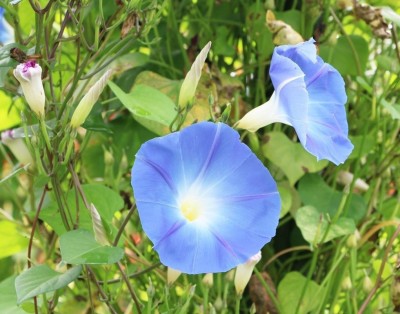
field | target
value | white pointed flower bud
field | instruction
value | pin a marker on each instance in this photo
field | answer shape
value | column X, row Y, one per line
column 192, row 78
column 29, row 75
column 244, row 271
column 172, row 275
column 17, row 146
column 208, row 280
column 86, row 104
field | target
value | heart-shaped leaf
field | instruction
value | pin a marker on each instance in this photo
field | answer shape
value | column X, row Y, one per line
column 41, row 279
column 314, row 225
column 80, row 247
column 290, row 157
column 290, row 290
column 149, row 107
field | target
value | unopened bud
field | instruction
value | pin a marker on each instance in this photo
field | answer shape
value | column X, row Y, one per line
column 172, row 275
column 367, row 284
column 346, row 283
column 151, row 291
column 353, row 239
column 192, row 78
column 208, row 280
column 244, row 271
column 29, row 75
column 86, row 104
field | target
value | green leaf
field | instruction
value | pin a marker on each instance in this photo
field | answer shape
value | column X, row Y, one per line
column 106, row 201
column 363, row 145
column 286, row 199
column 314, row 224
column 392, row 109
column 164, row 85
column 328, row 200
column 8, row 297
column 289, row 292
column 80, row 247
column 12, row 241
column 200, row 110
column 290, row 157
column 9, row 113
column 41, row 279
column 349, row 56
column 149, row 107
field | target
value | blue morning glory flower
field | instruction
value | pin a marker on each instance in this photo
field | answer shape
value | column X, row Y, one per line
column 6, row 32
column 310, row 96
column 204, row 199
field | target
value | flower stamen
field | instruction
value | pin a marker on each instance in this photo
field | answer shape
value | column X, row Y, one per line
column 190, row 209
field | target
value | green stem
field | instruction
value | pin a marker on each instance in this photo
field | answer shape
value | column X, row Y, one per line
column 270, row 293
column 237, row 305
column 43, row 130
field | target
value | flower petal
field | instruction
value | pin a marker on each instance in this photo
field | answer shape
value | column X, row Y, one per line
column 310, row 96
column 237, row 200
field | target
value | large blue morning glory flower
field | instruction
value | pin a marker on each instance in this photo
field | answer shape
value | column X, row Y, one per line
column 204, row 199
column 310, row 96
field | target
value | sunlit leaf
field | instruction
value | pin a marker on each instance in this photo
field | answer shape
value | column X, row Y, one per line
column 327, row 200
column 314, row 225
column 349, row 56
column 80, row 247
column 393, row 109
column 41, row 279
column 290, row 290
column 8, row 297
column 9, row 115
column 12, row 240
column 290, row 157
column 149, row 107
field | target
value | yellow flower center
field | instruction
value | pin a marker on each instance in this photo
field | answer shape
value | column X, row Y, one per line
column 190, row 209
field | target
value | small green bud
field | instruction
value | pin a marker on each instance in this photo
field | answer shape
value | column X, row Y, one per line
column 346, row 283
column 367, row 284
column 353, row 239
column 208, row 280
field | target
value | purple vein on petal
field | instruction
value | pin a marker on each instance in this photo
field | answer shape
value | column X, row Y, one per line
column 182, row 163
column 156, row 203
column 160, row 170
column 210, row 154
column 171, row 230
column 319, row 73
column 226, row 175
column 242, row 198
column 223, row 242
column 237, row 226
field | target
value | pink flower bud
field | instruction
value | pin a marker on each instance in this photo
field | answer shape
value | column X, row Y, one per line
column 29, row 75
